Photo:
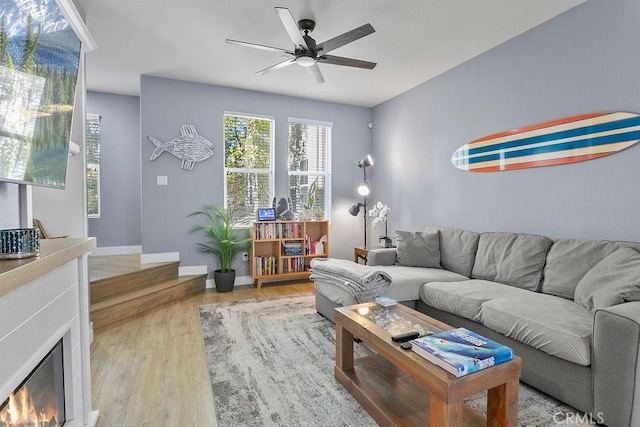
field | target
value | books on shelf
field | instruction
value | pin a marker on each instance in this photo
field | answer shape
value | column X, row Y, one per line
column 292, row 247
column 265, row 265
column 292, row 265
column 277, row 230
column 461, row 351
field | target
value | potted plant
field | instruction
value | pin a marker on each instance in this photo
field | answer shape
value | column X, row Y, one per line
column 311, row 200
column 224, row 241
column 379, row 213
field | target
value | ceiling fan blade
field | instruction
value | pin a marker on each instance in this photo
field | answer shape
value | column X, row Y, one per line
column 349, row 62
column 277, row 66
column 291, row 26
column 259, row 46
column 314, row 70
column 348, row 37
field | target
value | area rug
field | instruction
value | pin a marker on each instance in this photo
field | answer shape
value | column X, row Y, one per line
column 271, row 364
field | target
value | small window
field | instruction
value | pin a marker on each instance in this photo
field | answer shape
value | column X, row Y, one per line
column 248, row 162
column 310, row 165
column 93, row 165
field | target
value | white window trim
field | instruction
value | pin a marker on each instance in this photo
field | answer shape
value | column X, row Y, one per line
column 98, row 117
column 272, row 149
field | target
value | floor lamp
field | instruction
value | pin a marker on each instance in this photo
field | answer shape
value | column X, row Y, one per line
column 363, row 190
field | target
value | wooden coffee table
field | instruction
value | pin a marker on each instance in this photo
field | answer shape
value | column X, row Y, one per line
column 400, row 387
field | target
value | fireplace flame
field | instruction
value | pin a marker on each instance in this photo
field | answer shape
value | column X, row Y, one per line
column 20, row 411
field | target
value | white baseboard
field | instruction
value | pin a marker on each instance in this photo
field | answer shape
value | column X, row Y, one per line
column 240, row 280
column 193, row 270
column 244, row 280
column 116, row 250
column 161, row 257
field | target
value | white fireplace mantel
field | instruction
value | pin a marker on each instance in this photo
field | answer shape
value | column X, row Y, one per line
column 42, row 300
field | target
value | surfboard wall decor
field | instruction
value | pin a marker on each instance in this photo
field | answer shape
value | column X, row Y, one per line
column 558, row 142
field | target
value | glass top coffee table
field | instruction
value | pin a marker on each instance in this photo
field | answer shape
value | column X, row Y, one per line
column 400, row 387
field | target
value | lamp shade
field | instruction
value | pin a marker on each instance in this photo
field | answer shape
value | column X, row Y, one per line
column 366, row 161
column 355, row 209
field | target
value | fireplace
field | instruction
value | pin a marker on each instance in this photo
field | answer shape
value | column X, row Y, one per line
column 44, row 336
column 39, row 400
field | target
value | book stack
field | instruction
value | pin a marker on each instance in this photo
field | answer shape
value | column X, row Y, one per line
column 276, row 230
column 309, row 244
column 265, row 265
column 292, row 265
column 386, row 301
column 292, row 248
column 460, row 351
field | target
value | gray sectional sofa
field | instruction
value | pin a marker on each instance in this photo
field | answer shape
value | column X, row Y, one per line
column 569, row 308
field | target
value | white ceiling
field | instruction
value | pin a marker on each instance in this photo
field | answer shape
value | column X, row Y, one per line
column 415, row 40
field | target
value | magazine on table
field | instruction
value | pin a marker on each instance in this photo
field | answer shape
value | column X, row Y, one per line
column 461, row 351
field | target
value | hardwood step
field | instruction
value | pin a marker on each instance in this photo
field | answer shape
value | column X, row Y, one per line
column 119, row 284
column 137, row 301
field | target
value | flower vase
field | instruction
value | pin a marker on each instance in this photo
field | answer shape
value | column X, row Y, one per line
column 386, row 242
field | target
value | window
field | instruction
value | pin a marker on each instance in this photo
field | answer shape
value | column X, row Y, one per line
column 310, row 164
column 248, row 162
column 93, row 165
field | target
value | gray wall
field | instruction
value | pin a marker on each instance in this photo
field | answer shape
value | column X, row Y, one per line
column 119, row 222
column 167, row 104
column 586, row 60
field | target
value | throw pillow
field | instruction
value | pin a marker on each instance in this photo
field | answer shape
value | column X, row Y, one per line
column 418, row 249
column 614, row 280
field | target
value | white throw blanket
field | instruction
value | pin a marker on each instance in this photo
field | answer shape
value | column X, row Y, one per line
column 363, row 282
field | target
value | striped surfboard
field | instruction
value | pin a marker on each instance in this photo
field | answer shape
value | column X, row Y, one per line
column 558, row 142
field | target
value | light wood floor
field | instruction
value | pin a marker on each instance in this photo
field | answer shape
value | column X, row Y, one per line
column 150, row 370
column 101, row 267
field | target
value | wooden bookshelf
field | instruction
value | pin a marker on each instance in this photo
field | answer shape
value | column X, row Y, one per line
column 283, row 249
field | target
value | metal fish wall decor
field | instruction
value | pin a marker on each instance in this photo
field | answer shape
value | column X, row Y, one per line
column 188, row 147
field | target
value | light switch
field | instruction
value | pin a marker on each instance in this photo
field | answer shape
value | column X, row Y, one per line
column 162, row 180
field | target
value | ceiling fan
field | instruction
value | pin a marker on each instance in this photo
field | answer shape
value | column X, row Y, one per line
column 307, row 53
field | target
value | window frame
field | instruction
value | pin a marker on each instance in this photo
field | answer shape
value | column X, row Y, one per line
column 270, row 172
column 96, row 166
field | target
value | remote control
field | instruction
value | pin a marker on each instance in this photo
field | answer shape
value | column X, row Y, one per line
column 407, row 336
column 405, row 346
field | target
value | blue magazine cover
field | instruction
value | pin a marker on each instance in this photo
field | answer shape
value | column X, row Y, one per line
column 461, row 351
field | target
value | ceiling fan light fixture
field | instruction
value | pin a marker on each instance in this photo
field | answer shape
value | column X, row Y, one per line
column 305, row 61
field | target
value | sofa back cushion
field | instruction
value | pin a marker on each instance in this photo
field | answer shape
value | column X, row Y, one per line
column 457, row 248
column 569, row 260
column 512, row 259
column 418, row 249
column 614, row 280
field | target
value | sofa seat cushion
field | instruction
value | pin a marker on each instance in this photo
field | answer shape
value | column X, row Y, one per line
column 407, row 281
column 465, row 298
column 510, row 258
column 557, row 326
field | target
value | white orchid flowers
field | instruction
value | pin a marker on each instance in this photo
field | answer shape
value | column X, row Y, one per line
column 379, row 214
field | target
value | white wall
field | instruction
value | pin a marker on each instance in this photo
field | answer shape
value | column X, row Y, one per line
column 64, row 212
